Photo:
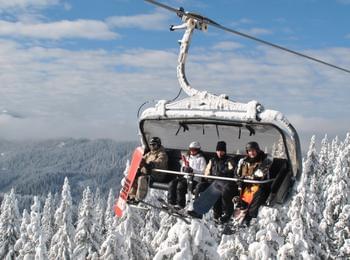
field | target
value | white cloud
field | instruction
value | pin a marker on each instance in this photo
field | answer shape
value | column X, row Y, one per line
column 88, row 29
column 346, row 2
column 22, row 4
column 256, row 31
column 94, row 92
column 227, row 45
column 319, row 125
column 155, row 21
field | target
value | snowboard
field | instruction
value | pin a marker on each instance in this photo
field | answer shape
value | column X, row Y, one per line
column 129, row 180
column 206, row 199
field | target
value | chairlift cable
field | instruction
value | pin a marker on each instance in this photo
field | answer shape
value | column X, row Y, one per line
column 180, row 12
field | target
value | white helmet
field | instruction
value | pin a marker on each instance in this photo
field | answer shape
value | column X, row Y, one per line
column 195, row 145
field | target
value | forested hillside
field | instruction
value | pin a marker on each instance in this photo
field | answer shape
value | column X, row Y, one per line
column 36, row 168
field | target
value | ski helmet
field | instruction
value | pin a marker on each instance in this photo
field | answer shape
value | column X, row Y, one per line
column 155, row 141
column 195, row 145
column 252, row 145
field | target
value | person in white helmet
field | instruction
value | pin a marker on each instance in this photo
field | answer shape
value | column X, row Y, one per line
column 193, row 162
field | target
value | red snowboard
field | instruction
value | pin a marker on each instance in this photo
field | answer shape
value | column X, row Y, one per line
column 123, row 195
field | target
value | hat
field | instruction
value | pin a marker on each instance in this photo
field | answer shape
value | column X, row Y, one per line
column 252, row 146
column 195, row 145
column 221, row 146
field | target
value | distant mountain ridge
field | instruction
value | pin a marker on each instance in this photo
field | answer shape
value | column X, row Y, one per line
column 39, row 167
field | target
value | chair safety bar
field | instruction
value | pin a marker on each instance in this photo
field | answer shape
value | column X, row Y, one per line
column 235, row 179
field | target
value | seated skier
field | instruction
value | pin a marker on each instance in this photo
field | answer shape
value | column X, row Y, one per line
column 218, row 193
column 155, row 158
column 255, row 165
column 195, row 163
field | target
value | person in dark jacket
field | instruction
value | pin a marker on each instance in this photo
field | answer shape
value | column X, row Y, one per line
column 223, row 166
column 255, row 165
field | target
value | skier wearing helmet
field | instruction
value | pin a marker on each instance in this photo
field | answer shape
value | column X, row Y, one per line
column 193, row 162
column 255, row 165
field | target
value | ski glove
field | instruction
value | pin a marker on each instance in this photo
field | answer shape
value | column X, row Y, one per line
column 187, row 169
column 149, row 166
column 258, row 173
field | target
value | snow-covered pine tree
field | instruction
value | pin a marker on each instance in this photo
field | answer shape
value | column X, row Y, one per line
column 338, row 188
column 322, row 174
column 338, row 194
column 297, row 243
column 40, row 250
column 109, row 214
column 130, row 227
column 98, row 223
column 113, row 246
column 269, row 237
column 63, row 214
column 47, row 220
column 274, row 150
column 85, row 238
column 313, row 202
column 19, row 246
column 342, row 233
column 9, row 226
column 188, row 242
column 33, row 231
column 334, row 151
column 62, row 242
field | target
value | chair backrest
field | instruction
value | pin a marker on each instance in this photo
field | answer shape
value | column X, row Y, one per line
column 278, row 166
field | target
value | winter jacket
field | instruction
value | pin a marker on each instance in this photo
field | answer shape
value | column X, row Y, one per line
column 257, row 168
column 197, row 163
column 157, row 159
column 223, row 167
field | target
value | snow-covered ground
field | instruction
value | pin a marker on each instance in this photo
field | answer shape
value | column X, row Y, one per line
column 313, row 224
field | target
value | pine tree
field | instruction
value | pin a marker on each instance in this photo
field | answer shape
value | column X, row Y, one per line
column 337, row 197
column 342, row 233
column 62, row 242
column 19, row 246
column 85, row 239
column 269, row 237
column 40, row 250
column 338, row 189
column 33, row 230
column 9, row 226
column 297, row 242
column 109, row 214
column 188, row 242
column 47, row 220
column 98, row 222
column 63, row 214
column 114, row 244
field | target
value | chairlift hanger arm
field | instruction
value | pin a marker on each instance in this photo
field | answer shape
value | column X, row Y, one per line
column 180, row 12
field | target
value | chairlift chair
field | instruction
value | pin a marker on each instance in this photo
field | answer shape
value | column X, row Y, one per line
column 208, row 118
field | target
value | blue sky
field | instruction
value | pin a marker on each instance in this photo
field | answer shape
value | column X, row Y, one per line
column 82, row 68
